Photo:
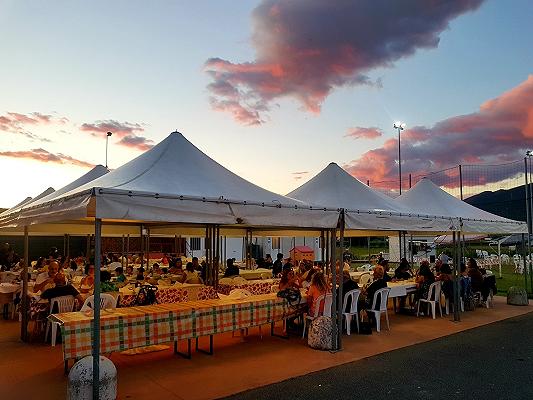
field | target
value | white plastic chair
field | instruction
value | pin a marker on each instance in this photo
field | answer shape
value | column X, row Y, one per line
column 106, row 301
column 384, row 297
column 433, row 299
column 327, row 300
column 64, row 304
column 365, row 278
column 351, row 298
column 361, row 269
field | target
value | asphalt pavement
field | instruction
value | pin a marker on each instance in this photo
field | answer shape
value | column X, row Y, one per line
column 491, row 362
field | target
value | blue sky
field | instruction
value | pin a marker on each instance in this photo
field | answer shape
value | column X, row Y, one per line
column 142, row 62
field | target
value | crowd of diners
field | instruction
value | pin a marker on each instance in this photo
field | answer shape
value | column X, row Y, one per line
column 59, row 276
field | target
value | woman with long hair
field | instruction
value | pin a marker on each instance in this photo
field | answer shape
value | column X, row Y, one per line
column 319, row 287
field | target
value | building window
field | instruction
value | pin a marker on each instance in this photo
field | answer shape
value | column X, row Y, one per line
column 196, row 243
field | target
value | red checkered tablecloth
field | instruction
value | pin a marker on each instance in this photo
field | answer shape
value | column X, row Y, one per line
column 127, row 328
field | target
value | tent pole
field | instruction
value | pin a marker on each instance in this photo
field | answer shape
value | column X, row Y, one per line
column 340, row 299
column 208, row 264
column 400, row 243
column 456, row 294
column 123, row 249
column 147, row 249
column 217, row 255
column 24, row 298
column 96, row 307
column 68, row 245
column 322, row 246
column 142, row 246
column 127, row 251
column 333, row 244
column 524, row 259
column 88, row 251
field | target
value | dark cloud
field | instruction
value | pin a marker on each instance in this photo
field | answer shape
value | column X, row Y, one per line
column 43, row 155
column 127, row 132
column 364, row 133
column 306, row 48
column 499, row 132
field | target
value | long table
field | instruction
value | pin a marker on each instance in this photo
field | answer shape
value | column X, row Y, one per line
column 131, row 327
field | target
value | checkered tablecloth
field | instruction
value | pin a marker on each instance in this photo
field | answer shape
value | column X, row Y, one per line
column 127, row 328
column 254, row 287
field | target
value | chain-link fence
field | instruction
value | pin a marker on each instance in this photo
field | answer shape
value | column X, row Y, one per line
column 462, row 181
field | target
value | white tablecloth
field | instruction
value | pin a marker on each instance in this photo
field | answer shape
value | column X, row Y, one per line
column 398, row 289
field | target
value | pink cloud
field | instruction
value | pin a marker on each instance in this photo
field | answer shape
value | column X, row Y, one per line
column 18, row 123
column 364, row 133
column 499, row 132
column 45, row 156
column 307, row 48
column 127, row 133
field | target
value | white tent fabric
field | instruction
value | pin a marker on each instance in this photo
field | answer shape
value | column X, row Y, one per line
column 96, row 172
column 426, row 197
column 365, row 208
column 176, row 182
column 28, row 201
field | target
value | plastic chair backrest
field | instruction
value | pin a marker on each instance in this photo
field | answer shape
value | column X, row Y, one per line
column 327, row 300
column 434, row 291
column 361, row 269
column 64, row 304
column 106, row 301
column 365, row 278
column 384, row 297
column 351, row 298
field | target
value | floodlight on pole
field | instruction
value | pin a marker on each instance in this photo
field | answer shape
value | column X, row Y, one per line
column 106, row 144
column 400, row 126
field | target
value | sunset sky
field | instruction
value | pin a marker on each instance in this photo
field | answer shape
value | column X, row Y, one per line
column 273, row 90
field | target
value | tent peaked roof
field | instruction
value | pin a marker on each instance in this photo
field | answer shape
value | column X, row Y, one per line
column 96, row 172
column 335, row 187
column 426, row 197
column 29, row 201
column 176, row 167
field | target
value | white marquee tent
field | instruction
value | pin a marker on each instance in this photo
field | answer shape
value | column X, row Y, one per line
column 426, row 197
column 366, row 209
column 173, row 182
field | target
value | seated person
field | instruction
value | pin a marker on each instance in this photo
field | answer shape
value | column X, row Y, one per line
column 87, row 282
column 367, row 293
column 129, row 271
column 288, row 280
column 191, row 276
column 277, row 267
column 445, row 276
column 61, row 289
column 305, row 283
column 231, row 270
column 347, row 286
column 119, row 275
column 385, row 265
column 47, row 282
column 115, row 263
column 319, row 287
column 424, row 279
column 156, row 270
column 287, row 265
column 105, row 282
column 267, row 262
column 475, row 275
column 403, row 270
column 140, row 274
column 177, row 267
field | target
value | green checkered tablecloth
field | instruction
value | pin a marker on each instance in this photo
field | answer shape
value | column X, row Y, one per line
column 131, row 327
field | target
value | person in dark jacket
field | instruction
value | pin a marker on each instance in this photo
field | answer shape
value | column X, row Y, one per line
column 347, row 286
column 231, row 270
column 367, row 294
column 277, row 267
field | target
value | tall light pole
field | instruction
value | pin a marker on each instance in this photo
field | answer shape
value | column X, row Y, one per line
column 106, row 143
column 400, row 126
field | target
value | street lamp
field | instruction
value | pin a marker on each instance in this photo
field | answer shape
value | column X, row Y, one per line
column 400, row 126
column 106, row 143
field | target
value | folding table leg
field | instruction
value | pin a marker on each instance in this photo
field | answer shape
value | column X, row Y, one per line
column 208, row 352
column 272, row 333
column 66, row 369
column 184, row 355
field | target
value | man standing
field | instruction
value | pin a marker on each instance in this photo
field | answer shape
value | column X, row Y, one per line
column 278, row 265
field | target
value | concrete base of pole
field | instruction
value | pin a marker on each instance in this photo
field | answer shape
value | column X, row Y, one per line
column 80, row 380
column 517, row 296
